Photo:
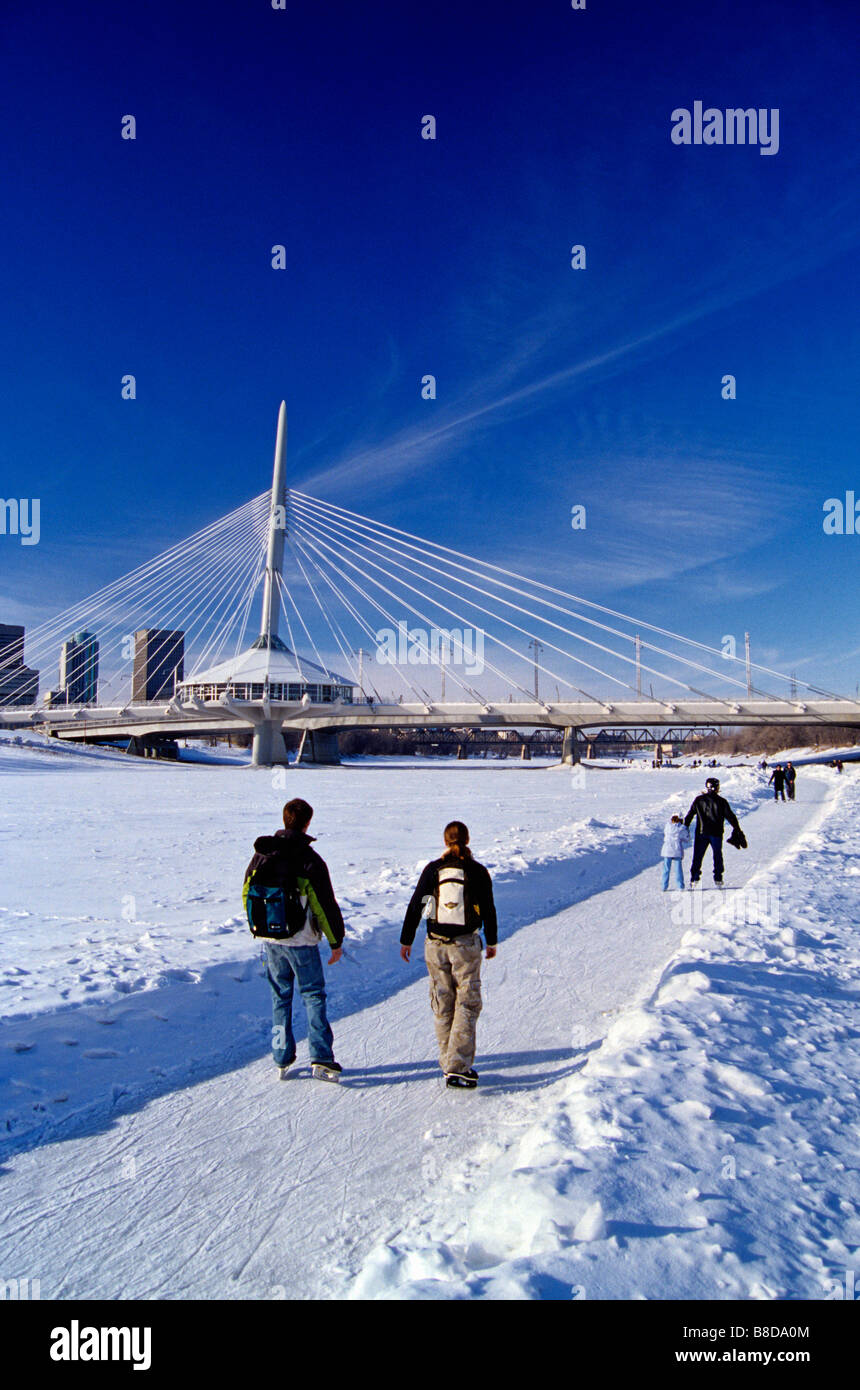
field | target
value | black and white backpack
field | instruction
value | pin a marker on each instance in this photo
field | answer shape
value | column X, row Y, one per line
column 451, row 896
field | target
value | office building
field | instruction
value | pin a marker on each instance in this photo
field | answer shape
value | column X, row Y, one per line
column 79, row 670
column 159, row 664
column 19, row 685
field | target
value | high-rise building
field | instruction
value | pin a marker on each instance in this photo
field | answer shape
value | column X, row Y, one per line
column 79, row 669
column 19, row 685
column 159, row 664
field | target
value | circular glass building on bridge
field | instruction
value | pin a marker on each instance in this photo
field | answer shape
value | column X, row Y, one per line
column 268, row 670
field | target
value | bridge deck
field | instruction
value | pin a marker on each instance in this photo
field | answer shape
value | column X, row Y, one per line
column 223, row 718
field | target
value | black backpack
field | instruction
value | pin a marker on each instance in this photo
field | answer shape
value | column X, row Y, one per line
column 274, row 904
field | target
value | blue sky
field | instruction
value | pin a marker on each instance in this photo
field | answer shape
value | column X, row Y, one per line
column 451, row 257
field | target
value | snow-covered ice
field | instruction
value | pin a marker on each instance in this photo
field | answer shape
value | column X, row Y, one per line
column 668, row 1100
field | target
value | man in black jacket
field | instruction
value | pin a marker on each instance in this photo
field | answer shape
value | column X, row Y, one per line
column 790, row 779
column 778, row 779
column 710, row 812
column 286, row 859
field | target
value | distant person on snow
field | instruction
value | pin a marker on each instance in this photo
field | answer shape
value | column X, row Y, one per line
column 790, row 779
column 291, row 904
column 455, row 897
column 710, row 812
column 676, row 838
column 778, row 779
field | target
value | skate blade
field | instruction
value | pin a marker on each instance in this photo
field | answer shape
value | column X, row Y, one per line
column 323, row 1074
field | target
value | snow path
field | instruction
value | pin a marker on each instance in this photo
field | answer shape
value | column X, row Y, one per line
column 708, row 1148
column 239, row 1186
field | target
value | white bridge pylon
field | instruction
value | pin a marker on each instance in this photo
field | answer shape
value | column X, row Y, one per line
column 374, row 626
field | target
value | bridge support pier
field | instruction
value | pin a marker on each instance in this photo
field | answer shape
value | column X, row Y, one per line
column 320, row 746
column 570, row 747
column 268, row 748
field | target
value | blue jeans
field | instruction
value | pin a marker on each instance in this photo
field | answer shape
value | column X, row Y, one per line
column 700, row 845
column 286, row 965
column 679, row 872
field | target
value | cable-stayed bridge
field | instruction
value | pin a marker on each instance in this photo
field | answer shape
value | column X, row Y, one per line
column 361, row 624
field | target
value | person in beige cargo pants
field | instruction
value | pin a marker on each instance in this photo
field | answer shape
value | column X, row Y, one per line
column 455, row 897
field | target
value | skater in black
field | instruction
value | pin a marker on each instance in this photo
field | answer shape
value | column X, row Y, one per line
column 790, row 779
column 778, row 779
column 710, row 812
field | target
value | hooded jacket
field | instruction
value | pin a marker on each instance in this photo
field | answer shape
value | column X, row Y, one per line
column 676, row 838
column 285, row 856
column 710, row 812
column 480, row 907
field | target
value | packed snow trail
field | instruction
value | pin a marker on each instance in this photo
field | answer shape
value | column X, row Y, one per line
column 120, row 978
column 241, row 1186
column 708, row 1148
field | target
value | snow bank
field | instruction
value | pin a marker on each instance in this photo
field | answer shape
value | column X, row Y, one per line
column 707, row 1149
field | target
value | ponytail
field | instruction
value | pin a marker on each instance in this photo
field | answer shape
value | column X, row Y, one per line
column 457, row 840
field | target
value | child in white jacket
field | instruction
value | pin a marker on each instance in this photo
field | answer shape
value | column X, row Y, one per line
column 676, row 838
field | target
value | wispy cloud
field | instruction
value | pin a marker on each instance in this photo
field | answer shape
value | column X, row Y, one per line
column 487, row 403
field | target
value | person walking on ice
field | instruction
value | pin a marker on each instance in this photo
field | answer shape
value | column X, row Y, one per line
column 455, row 897
column 676, row 838
column 790, row 779
column 778, row 779
column 710, row 812
column 291, row 904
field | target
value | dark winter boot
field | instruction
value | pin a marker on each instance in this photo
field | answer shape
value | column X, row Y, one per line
column 463, row 1080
